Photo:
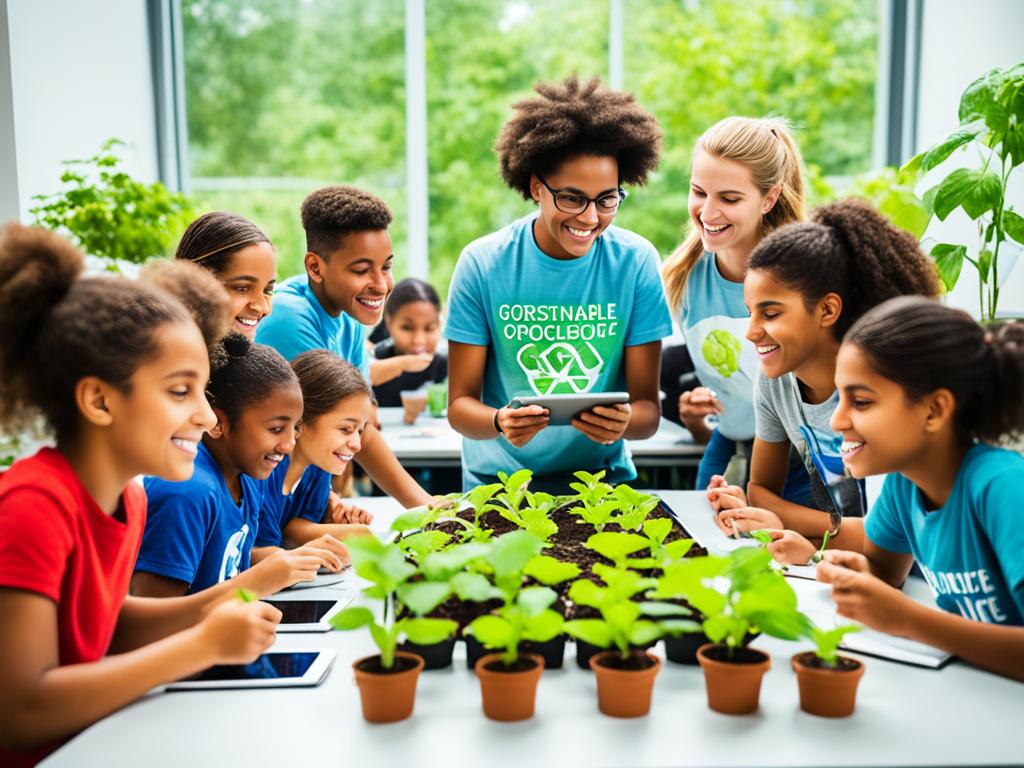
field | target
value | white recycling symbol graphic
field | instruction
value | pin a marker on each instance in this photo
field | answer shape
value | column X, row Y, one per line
column 560, row 368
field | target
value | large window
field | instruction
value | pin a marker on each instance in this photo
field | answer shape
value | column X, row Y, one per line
column 283, row 96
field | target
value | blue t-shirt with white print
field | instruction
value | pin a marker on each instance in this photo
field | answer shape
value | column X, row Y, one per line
column 195, row 532
column 554, row 326
column 714, row 320
column 299, row 323
column 307, row 500
column 971, row 550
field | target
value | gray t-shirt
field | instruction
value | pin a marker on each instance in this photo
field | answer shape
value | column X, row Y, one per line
column 780, row 413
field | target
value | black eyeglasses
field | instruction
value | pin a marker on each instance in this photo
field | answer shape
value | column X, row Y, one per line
column 575, row 203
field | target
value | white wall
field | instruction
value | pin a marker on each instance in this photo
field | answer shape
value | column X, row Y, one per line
column 80, row 74
column 959, row 42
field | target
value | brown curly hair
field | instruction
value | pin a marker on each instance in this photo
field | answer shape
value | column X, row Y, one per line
column 330, row 213
column 850, row 249
column 326, row 380
column 203, row 296
column 57, row 327
column 922, row 346
column 213, row 238
column 571, row 119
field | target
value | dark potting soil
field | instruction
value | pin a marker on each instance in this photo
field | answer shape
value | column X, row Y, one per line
column 374, row 667
column 843, row 664
column 741, row 655
column 519, row 665
column 636, row 661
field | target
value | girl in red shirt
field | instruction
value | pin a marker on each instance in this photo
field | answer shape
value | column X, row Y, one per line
column 117, row 369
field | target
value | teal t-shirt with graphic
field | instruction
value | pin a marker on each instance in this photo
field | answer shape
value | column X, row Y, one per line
column 554, row 327
column 971, row 550
column 714, row 319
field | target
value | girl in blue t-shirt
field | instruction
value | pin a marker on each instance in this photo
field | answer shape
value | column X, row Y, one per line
column 200, row 532
column 561, row 301
column 805, row 286
column 924, row 391
column 298, row 504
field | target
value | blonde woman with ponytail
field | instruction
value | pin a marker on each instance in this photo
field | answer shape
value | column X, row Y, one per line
column 745, row 182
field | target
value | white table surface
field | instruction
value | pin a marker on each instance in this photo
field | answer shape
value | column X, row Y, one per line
column 433, row 442
column 904, row 716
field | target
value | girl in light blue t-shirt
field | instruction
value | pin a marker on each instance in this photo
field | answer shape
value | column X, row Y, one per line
column 924, row 391
column 745, row 181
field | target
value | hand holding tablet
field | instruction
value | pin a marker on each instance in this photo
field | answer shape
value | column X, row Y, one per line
column 564, row 408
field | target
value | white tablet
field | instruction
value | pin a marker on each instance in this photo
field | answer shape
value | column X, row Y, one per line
column 564, row 408
column 289, row 669
column 308, row 615
column 323, row 579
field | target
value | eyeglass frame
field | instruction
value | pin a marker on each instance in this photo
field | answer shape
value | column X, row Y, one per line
column 556, row 192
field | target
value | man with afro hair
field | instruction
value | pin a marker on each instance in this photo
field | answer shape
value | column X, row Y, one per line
column 347, row 281
column 560, row 302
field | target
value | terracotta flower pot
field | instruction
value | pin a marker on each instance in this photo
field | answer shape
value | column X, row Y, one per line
column 388, row 696
column 509, row 695
column 624, row 692
column 827, row 692
column 733, row 686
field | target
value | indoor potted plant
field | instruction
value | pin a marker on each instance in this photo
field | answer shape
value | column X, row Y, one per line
column 387, row 680
column 827, row 681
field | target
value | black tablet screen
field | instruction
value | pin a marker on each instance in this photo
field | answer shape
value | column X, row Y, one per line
column 268, row 666
column 302, row 611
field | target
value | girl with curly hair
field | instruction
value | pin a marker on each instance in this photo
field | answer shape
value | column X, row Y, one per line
column 561, row 301
column 806, row 284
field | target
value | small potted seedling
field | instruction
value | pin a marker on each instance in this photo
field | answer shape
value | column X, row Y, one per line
column 736, row 595
column 387, row 680
column 508, row 680
column 827, row 681
column 597, row 504
column 634, row 507
column 625, row 674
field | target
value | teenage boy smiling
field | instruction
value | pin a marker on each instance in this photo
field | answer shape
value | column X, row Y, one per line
column 560, row 302
column 348, row 279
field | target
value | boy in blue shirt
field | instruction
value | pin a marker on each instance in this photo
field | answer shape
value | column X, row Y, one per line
column 348, row 279
column 560, row 302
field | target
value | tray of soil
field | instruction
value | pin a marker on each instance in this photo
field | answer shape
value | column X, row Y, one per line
column 825, row 690
column 625, row 686
column 387, row 695
column 509, row 692
column 733, row 680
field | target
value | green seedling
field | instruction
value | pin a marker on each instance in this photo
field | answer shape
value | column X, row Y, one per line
column 534, row 516
column 818, row 556
column 763, row 539
column 736, row 594
column 634, row 507
column 385, row 565
column 592, row 493
column 827, row 642
column 617, row 547
column 623, row 624
column 525, row 613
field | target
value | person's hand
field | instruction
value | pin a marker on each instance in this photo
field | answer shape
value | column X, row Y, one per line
column 519, row 425
column 604, row 424
column 725, row 496
column 855, row 561
column 733, row 522
column 234, row 632
column 790, row 547
column 290, row 566
column 416, row 363
column 341, row 513
column 865, row 598
column 696, row 404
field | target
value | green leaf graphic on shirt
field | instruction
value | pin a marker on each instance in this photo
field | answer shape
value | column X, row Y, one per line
column 560, row 368
column 721, row 350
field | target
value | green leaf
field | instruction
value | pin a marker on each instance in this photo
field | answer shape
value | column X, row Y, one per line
column 411, row 519
column 678, row 548
column 762, row 536
column 1014, row 225
column 783, row 624
column 474, row 587
column 984, row 264
column 970, row 188
column 958, row 138
column 949, row 259
column 644, row 632
column 510, row 553
column 719, row 627
column 439, row 566
column 423, row 543
column 828, row 641
column 548, row 570
column 658, row 530
column 657, row 608
column 385, row 642
column 533, row 600
column 492, row 631
column 616, row 546
column 422, row 597
column 676, row 627
column 979, row 102
column 246, row 595
column 543, row 627
column 593, row 631
column 1013, row 142
column 352, row 618
column 427, row 631
column 587, row 593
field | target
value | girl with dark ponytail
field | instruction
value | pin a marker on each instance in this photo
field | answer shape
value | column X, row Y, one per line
column 806, row 284
column 925, row 392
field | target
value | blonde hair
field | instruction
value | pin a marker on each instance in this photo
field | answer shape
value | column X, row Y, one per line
column 766, row 147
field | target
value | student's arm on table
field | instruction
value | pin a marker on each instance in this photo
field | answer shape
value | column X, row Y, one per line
column 469, row 416
column 301, row 531
column 795, row 549
column 41, row 701
column 863, row 596
column 383, row 468
column 383, row 371
column 639, row 418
